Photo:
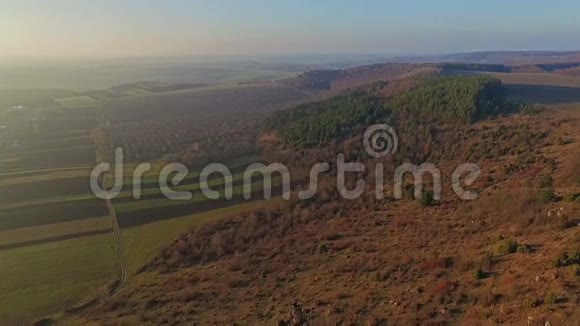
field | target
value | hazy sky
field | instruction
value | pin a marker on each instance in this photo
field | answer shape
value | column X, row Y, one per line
column 189, row 27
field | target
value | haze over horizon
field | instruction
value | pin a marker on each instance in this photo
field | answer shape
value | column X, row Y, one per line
column 83, row 28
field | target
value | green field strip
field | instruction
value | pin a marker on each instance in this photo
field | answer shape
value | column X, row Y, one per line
column 36, row 172
column 190, row 187
column 38, row 280
column 196, row 198
column 152, row 176
column 48, row 176
column 54, row 230
column 10, row 159
column 123, row 194
column 48, row 200
column 49, row 150
column 74, row 101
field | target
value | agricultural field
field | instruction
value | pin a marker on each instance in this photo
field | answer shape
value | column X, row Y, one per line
column 544, row 79
column 52, row 213
column 46, row 138
column 54, row 250
column 27, row 236
column 544, row 88
column 42, row 278
column 15, row 189
column 69, row 270
column 76, row 101
column 28, row 97
column 84, row 75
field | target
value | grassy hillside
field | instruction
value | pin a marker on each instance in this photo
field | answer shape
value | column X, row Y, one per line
column 507, row 258
column 142, row 243
column 451, row 261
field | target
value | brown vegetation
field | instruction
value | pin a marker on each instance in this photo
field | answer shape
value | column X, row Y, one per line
column 327, row 261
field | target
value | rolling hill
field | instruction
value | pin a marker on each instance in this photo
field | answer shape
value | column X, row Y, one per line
column 511, row 256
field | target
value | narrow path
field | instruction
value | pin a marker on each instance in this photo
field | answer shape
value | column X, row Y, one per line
column 120, row 282
column 105, row 123
column 120, row 253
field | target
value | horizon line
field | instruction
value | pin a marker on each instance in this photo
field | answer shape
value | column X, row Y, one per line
column 278, row 55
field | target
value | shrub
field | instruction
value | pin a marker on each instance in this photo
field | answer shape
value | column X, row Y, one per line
column 550, row 298
column 479, row 274
column 507, row 247
column 547, row 195
column 559, row 261
column 566, row 259
column 381, row 277
column 575, row 270
column 427, row 198
column 410, row 191
column 531, row 109
column 547, row 182
column 547, row 189
column 574, row 197
column 322, row 248
column 238, row 283
column 523, row 249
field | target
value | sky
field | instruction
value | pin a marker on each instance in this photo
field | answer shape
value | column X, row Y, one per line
column 129, row 28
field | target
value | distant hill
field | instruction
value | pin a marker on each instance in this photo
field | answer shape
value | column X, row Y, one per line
column 341, row 80
column 510, row 58
column 575, row 71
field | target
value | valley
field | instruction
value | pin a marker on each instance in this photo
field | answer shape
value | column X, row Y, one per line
column 391, row 256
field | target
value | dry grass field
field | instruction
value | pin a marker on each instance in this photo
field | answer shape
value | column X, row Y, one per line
column 545, row 79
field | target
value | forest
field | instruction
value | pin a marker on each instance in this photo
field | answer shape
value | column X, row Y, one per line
column 457, row 99
column 320, row 122
column 453, row 99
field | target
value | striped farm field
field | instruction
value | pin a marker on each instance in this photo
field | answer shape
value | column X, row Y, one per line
column 197, row 197
column 37, row 215
column 53, row 232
